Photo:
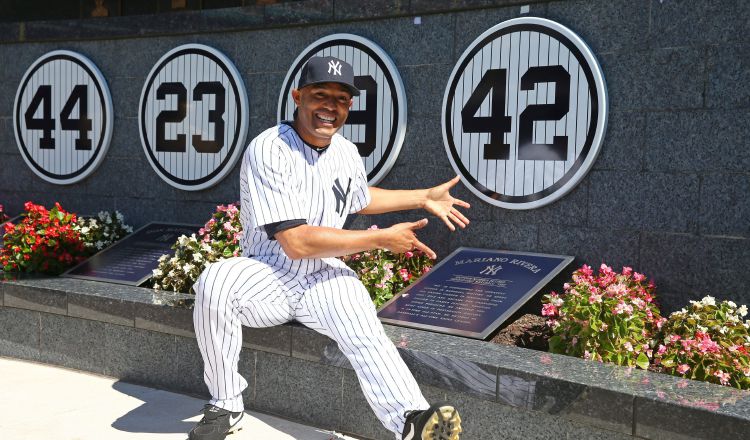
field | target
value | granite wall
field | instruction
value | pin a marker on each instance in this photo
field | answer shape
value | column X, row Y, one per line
column 667, row 195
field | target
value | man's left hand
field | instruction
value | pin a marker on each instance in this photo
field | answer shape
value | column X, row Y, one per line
column 441, row 204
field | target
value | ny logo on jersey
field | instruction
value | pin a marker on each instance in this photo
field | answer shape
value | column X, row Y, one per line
column 491, row 270
column 341, row 195
column 335, row 66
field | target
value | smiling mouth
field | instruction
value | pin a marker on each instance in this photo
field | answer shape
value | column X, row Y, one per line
column 326, row 119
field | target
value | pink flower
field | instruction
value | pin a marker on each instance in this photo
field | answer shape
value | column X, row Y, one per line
column 604, row 327
column 662, row 349
column 707, row 345
column 723, row 377
column 622, row 308
column 674, row 338
column 405, row 275
column 627, row 270
column 687, row 344
column 638, row 277
column 425, row 270
column 549, row 310
column 605, row 269
column 409, row 254
column 683, row 368
column 586, row 270
column 628, row 346
column 595, row 299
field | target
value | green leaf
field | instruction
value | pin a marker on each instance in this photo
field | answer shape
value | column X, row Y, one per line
column 642, row 361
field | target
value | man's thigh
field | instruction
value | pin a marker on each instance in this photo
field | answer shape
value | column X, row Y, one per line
column 254, row 289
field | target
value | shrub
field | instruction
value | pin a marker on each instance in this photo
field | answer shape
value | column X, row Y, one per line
column 219, row 238
column 707, row 341
column 384, row 273
column 43, row 241
column 3, row 216
column 609, row 317
column 101, row 231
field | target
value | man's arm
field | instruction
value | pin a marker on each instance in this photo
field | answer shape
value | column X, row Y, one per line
column 307, row 241
column 436, row 200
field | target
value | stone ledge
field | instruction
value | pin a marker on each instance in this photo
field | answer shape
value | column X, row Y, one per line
column 138, row 335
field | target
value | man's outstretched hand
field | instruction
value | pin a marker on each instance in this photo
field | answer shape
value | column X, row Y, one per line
column 441, row 204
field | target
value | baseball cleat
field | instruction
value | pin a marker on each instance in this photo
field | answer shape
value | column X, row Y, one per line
column 440, row 422
column 216, row 424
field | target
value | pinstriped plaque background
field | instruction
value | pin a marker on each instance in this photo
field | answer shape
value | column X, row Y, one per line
column 190, row 65
column 516, row 46
column 366, row 58
column 63, row 70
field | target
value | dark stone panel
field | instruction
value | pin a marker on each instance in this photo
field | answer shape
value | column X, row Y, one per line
column 452, row 374
column 98, row 308
column 312, row 395
column 42, row 300
column 697, row 141
column 425, row 86
column 307, row 12
column 257, row 51
column 126, row 94
column 674, row 263
column 423, row 6
column 570, row 210
column 624, row 142
column 697, row 22
column 723, row 205
column 126, row 174
column 165, row 319
column 19, row 333
column 659, row 79
column 189, row 367
column 429, row 41
column 140, row 210
column 17, row 176
column 423, row 143
column 496, row 235
column 8, row 143
column 605, row 26
column 224, row 192
column 358, row 417
column 652, row 201
column 270, row 339
column 246, row 368
column 194, row 212
column 471, row 24
column 358, row 9
column 415, row 177
column 356, row 414
column 141, row 357
column 10, row 32
column 591, row 246
column 728, row 76
column 719, row 276
column 74, row 343
column 126, row 142
column 312, row 346
column 159, row 24
column 665, row 420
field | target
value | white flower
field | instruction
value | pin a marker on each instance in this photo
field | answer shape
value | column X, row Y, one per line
column 702, row 329
column 174, row 260
column 182, row 240
column 99, row 244
column 732, row 304
column 723, row 330
column 157, row 272
column 197, row 257
column 128, row 229
column 163, row 258
column 708, row 301
column 742, row 310
column 187, row 268
column 119, row 216
column 85, row 230
column 102, row 215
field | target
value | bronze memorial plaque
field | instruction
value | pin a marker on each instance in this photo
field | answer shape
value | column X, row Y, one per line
column 472, row 291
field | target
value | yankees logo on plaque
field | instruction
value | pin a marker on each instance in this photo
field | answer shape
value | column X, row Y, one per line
column 63, row 117
column 193, row 117
column 377, row 119
column 524, row 113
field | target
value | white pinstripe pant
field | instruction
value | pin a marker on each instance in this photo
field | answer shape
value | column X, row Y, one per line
column 244, row 291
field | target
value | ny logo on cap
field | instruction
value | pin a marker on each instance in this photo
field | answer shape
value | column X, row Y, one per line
column 336, row 66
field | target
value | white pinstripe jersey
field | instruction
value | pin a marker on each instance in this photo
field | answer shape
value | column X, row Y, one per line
column 282, row 178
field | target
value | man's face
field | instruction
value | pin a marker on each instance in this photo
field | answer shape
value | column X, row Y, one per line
column 321, row 110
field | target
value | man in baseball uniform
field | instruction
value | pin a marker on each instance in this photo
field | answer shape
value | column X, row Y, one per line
column 299, row 181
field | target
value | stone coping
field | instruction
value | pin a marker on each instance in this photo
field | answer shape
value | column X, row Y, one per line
column 628, row 401
column 297, row 13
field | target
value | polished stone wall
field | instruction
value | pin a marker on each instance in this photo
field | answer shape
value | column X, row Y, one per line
column 667, row 195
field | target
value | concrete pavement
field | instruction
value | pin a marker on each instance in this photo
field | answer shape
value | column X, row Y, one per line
column 41, row 402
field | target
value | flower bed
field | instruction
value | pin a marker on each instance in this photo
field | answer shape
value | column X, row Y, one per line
column 51, row 241
column 613, row 317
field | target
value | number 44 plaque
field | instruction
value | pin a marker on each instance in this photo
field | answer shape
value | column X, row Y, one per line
column 472, row 291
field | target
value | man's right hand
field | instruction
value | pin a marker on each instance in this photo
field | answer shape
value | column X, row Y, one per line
column 401, row 238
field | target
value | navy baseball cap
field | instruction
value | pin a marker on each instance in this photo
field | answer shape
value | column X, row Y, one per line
column 328, row 69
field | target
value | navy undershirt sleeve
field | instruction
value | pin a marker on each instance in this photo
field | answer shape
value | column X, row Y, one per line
column 272, row 228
